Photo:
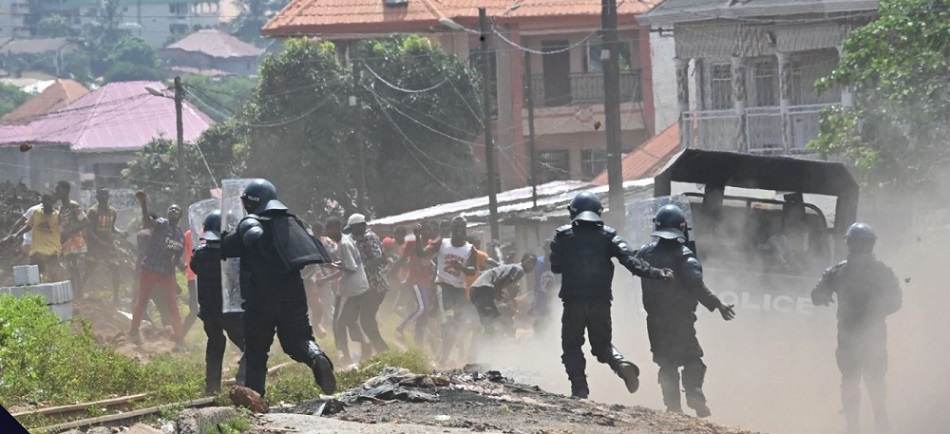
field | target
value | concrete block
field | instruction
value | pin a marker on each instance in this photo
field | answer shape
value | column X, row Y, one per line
column 63, row 310
column 199, row 421
column 26, row 275
column 53, row 293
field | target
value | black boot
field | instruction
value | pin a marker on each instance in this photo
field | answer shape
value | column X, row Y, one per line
column 630, row 374
column 579, row 388
column 322, row 368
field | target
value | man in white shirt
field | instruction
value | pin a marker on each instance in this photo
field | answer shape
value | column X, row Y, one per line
column 353, row 284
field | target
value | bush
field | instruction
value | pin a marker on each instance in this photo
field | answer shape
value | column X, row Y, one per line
column 45, row 360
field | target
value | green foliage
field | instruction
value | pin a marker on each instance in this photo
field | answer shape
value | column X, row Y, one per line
column 295, row 383
column 236, row 425
column 299, row 127
column 155, row 171
column 132, row 59
column 416, row 146
column 54, row 26
column 433, row 166
column 247, row 26
column 11, row 97
column 219, row 98
column 899, row 69
column 44, row 360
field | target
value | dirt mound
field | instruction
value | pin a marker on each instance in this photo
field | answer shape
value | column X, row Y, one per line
column 490, row 402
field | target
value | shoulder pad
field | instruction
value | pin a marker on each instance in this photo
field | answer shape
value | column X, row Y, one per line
column 835, row 268
column 564, row 229
column 248, row 222
column 609, row 230
column 686, row 252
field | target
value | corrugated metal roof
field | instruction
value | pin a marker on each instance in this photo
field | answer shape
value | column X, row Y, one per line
column 311, row 17
column 116, row 117
column 56, row 96
column 215, row 43
column 648, row 159
column 678, row 11
column 518, row 195
column 34, row 46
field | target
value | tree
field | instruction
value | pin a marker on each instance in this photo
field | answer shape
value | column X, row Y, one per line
column 11, row 97
column 54, row 26
column 217, row 154
column 423, row 139
column 413, row 146
column 133, row 59
column 220, row 98
column 299, row 128
column 255, row 14
column 898, row 67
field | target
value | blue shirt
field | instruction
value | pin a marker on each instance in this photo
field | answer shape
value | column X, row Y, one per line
column 164, row 248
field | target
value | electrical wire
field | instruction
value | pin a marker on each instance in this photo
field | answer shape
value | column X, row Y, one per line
column 401, row 89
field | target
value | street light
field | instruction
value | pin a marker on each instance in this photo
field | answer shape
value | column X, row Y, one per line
column 179, row 126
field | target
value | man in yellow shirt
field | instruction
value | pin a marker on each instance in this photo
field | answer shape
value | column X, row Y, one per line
column 46, row 245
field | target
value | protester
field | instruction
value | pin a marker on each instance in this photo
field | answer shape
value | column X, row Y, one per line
column 162, row 255
column 46, row 243
column 499, row 284
column 419, row 281
column 353, row 284
column 73, row 223
column 376, row 265
column 101, row 242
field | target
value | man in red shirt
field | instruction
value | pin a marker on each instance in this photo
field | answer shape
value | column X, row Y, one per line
column 419, row 280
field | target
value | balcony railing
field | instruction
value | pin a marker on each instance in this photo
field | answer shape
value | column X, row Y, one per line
column 585, row 88
column 717, row 130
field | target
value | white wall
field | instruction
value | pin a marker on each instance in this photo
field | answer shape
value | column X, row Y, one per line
column 662, row 52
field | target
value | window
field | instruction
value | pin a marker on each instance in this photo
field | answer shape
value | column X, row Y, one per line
column 766, row 84
column 554, row 165
column 593, row 162
column 720, row 95
column 594, row 49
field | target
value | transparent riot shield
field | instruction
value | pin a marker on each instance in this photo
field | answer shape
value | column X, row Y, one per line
column 196, row 217
column 232, row 211
column 640, row 217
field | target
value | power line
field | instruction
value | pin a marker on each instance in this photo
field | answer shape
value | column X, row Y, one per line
column 401, row 89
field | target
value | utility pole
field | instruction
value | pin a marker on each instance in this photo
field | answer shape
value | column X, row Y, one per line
column 180, row 127
column 358, row 134
column 486, row 115
column 529, row 101
column 612, row 112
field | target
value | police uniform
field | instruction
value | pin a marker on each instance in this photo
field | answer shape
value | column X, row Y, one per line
column 581, row 253
column 273, row 299
column 671, row 316
column 868, row 291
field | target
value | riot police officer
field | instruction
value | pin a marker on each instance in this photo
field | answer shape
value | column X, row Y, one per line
column 868, row 291
column 274, row 295
column 581, row 252
column 671, row 311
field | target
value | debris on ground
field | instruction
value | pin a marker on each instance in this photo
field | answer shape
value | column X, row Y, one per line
column 244, row 397
column 488, row 402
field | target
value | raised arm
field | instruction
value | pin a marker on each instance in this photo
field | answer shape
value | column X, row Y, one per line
column 147, row 221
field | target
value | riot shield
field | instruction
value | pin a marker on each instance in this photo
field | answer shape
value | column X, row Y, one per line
column 196, row 217
column 232, row 211
column 640, row 218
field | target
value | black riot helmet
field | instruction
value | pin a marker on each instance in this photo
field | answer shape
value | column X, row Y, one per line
column 212, row 226
column 860, row 238
column 670, row 223
column 586, row 207
column 260, row 196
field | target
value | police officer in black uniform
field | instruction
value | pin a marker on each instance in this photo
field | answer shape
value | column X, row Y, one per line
column 671, row 311
column 581, row 252
column 272, row 299
column 868, row 291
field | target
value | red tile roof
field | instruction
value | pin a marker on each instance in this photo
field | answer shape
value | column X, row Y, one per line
column 215, row 43
column 58, row 95
column 312, row 17
column 116, row 117
column 648, row 159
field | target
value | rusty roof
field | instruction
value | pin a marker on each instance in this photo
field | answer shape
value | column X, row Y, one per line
column 650, row 158
column 60, row 94
column 313, row 17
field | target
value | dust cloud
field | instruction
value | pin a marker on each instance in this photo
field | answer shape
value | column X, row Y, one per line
column 775, row 372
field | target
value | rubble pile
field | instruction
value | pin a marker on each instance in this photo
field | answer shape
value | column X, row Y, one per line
column 15, row 199
column 488, row 402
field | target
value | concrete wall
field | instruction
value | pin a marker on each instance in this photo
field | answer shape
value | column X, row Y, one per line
column 662, row 52
column 40, row 168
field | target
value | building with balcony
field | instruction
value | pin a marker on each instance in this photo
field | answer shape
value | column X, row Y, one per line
column 557, row 41
column 155, row 21
column 746, row 70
